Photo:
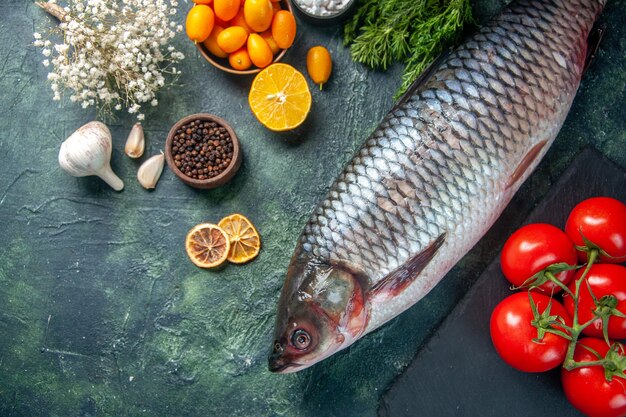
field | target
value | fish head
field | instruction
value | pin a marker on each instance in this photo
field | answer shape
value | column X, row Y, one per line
column 303, row 339
column 321, row 310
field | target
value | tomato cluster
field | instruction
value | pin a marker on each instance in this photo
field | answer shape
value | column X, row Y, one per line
column 532, row 331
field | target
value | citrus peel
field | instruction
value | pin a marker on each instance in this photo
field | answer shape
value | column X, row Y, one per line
column 207, row 245
column 245, row 242
column 280, row 97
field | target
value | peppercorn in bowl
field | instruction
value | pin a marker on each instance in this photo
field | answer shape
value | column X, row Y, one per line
column 203, row 151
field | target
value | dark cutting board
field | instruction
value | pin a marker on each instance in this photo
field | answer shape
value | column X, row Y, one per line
column 458, row 373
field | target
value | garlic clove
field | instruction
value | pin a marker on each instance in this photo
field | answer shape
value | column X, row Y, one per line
column 136, row 142
column 150, row 171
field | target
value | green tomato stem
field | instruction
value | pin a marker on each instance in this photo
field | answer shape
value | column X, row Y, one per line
column 577, row 328
column 573, row 364
column 555, row 280
column 561, row 333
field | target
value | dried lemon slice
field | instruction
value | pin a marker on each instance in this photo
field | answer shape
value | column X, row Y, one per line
column 245, row 242
column 207, row 245
column 280, row 97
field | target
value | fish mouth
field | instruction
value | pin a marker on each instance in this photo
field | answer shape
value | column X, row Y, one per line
column 279, row 365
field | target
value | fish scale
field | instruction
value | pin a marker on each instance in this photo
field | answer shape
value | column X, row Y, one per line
column 432, row 178
column 438, row 163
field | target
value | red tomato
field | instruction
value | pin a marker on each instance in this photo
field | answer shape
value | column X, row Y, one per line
column 604, row 279
column 512, row 333
column 587, row 388
column 602, row 220
column 531, row 249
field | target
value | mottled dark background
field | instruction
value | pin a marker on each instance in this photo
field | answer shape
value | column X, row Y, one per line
column 101, row 313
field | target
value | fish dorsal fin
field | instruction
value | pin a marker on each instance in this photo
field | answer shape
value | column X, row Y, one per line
column 525, row 163
column 423, row 77
column 394, row 283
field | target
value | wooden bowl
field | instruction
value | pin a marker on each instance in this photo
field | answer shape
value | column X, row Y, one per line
column 222, row 63
column 218, row 180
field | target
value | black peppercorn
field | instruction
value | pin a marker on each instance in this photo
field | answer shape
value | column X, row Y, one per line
column 202, row 150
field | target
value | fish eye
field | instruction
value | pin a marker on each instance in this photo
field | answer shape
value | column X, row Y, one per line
column 301, row 339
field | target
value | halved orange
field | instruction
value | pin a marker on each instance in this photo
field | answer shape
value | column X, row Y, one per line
column 245, row 242
column 280, row 97
column 207, row 245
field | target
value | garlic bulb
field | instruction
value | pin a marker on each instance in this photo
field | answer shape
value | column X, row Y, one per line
column 150, row 171
column 88, row 152
column 136, row 142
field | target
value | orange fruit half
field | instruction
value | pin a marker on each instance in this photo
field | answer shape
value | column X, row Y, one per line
column 245, row 242
column 280, row 97
column 207, row 245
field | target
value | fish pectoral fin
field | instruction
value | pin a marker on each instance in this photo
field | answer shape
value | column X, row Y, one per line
column 394, row 283
column 593, row 44
column 526, row 163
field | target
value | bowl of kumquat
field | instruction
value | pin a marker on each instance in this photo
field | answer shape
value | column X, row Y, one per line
column 241, row 36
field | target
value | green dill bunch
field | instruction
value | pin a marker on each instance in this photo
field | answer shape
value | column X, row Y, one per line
column 413, row 32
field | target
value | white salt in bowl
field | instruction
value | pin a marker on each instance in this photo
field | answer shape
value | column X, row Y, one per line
column 324, row 12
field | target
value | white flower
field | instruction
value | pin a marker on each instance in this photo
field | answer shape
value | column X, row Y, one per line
column 62, row 48
column 46, row 63
column 114, row 53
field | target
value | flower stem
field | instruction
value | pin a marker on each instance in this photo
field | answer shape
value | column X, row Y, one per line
column 53, row 9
